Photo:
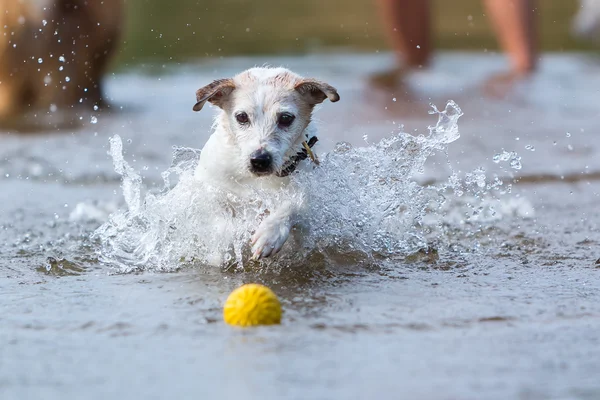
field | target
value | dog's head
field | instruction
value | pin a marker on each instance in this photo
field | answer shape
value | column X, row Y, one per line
column 266, row 111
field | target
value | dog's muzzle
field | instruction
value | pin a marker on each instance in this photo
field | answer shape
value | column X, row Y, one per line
column 261, row 162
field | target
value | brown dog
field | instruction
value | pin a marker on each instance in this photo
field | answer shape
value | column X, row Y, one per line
column 53, row 52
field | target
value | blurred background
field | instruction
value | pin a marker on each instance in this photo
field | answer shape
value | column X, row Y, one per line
column 54, row 54
column 158, row 31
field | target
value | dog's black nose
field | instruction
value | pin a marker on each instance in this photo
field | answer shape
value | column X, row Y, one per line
column 261, row 161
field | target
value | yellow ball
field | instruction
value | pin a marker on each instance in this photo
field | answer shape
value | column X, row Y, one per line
column 251, row 305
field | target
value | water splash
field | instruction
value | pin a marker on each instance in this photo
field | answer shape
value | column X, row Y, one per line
column 512, row 157
column 361, row 201
column 132, row 182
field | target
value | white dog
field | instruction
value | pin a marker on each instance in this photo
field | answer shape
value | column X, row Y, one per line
column 262, row 133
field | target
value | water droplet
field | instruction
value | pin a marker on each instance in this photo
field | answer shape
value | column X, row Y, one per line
column 95, row 107
column 40, row 60
column 61, row 59
column 570, row 147
column 53, row 108
column 504, row 156
column 67, row 79
column 515, row 163
column 342, row 147
column 93, row 120
column 568, row 134
column 44, row 22
column 394, row 99
column 529, row 147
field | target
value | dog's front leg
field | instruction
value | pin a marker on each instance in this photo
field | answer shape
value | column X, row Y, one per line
column 273, row 231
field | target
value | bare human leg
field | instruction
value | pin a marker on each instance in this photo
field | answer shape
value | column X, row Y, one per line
column 407, row 24
column 514, row 23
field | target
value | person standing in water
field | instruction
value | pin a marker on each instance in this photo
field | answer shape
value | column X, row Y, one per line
column 408, row 25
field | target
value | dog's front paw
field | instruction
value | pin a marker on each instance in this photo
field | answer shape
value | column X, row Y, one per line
column 270, row 237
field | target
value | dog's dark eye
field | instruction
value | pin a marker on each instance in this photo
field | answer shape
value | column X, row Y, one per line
column 285, row 119
column 242, row 118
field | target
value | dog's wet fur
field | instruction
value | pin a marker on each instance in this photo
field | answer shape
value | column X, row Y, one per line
column 264, row 119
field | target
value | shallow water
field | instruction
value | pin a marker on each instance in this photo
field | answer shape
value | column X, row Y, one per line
column 515, row 317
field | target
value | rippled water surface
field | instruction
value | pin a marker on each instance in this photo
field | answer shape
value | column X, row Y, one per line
column 457, row 262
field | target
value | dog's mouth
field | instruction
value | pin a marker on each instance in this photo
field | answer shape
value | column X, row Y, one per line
column 261, row 173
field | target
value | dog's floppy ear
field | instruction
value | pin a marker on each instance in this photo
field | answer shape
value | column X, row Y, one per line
column 316, row 91
column 214, row 92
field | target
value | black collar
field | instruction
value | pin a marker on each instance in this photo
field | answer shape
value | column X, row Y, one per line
column 292, row 164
